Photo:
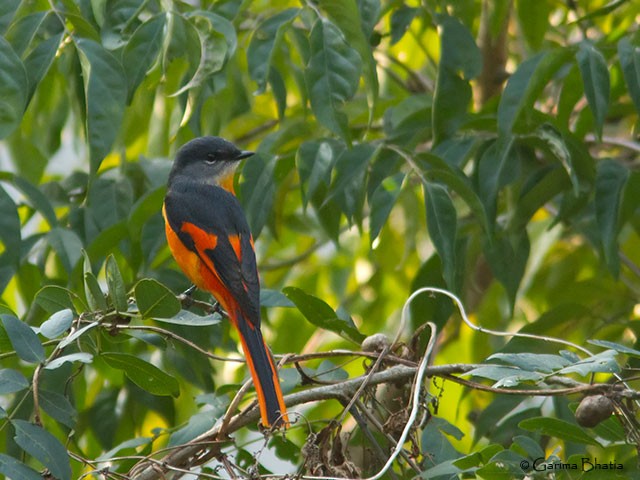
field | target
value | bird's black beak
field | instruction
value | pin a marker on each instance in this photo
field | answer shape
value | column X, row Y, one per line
column 244, row 154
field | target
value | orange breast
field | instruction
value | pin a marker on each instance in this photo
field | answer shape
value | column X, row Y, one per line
column 201, row 273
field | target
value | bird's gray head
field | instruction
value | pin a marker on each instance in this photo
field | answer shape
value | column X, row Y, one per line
column 207, row 160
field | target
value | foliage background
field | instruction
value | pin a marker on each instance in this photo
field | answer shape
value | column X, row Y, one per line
column 486, row 147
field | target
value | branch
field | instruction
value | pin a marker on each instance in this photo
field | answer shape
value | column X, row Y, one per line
column 188, row 454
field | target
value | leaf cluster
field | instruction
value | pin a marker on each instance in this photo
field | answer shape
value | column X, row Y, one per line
column 489, row 148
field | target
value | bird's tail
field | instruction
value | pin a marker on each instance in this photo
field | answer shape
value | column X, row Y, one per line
column 263, row 372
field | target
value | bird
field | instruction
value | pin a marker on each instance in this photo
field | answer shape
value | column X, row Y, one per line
column 209, row 237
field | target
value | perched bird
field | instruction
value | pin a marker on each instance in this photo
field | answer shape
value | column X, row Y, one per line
column 209, row 237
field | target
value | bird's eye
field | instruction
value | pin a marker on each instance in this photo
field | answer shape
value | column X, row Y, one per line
column 211, row 158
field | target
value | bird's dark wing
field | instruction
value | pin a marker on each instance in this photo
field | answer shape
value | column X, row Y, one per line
column 196, row 212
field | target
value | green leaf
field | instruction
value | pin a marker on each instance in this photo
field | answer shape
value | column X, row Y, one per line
column 213, row 51
column 400, row 22
column 67, row 245
column 460, row 61
column 145, row 375
column 141, row 51
column 16, row 470
column 265, row 40
column 274, row 298
column 105, row 90
column 332, row 75
column 381, row 202
column 532, row 362
column 542, row 186
column 533, row 19
column 115, row 284
column 348, row 187
column 147, row 206
column 442, row 225
column 346, row 15
column 602, row 11
column 74, row 336
column 22, row 32
column 603, row 362
column 36, row 199
column 507, row 255
column 155, row 300
column 57, row 324
column 44, row 447
column 497, row 167
column 505, row 376
column 8, row 9
column 322, row 315
column 437, row 170
column 82, row 357
column 554, row 427
column 595, row 77
column 93, row 292
column 12, row 381
column 13, row 89
column 39, row 60
column 185, row 317
column 10, row 226
column 611, row 179
column 616, row 346
column 556, row 145
column 24, row 340
column 258, row 190
column 58, row 407
column 525, row 86
column 629, row 54
column 315, row 161
column 53, row 298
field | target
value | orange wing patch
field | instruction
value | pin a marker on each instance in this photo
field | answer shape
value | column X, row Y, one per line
column 234, row 240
